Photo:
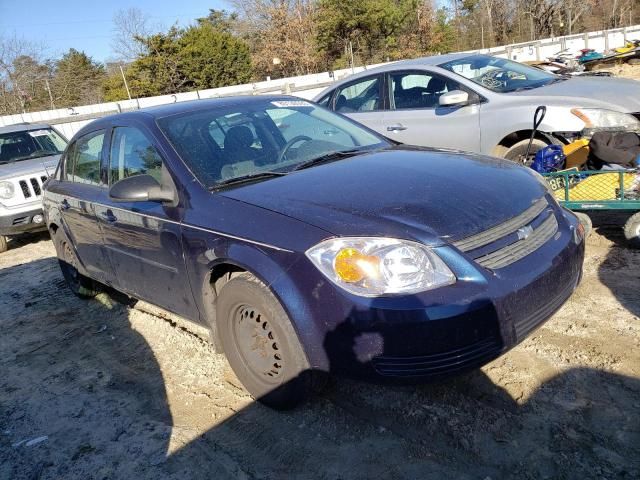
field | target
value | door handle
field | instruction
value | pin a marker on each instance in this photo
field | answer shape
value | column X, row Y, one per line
column 108, row 216
column 396, row 127
column 64, row 205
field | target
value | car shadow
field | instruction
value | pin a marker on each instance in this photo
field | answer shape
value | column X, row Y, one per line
column 619, row 271
column 79, row 372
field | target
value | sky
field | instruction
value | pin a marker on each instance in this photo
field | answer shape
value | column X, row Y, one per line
column 87, row 25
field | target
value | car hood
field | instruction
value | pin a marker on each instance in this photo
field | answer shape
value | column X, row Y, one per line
column 25, row 167
column 622, row 93
column 406, row 192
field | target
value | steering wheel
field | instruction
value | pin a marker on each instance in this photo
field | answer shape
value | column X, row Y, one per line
column 291, row 143
column 489, row 79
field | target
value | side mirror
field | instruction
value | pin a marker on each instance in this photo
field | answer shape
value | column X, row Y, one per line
column 140, row 188
column 454, row 97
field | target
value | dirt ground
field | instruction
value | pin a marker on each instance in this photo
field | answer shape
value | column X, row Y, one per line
column 96, row 389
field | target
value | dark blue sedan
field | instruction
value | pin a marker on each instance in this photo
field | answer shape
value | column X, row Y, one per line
column 308, row 243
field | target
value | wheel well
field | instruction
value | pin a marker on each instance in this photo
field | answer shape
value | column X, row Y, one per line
column 221, row 274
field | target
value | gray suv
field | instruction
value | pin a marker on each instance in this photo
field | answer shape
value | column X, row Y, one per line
column 29, row 153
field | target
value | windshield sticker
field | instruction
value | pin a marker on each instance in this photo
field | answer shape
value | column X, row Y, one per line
column 39, row 133
column 291, row 103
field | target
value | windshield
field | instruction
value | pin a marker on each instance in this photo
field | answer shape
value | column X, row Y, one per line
column 254, row 139
column 27, row 144
column 499, row 74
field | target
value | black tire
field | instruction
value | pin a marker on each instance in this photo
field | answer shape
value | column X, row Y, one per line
column 586, row 222
column 3, row 244
column 517, row 151
column 632, row 230
column 261, row 344
column 82, row 286
column 634, row 61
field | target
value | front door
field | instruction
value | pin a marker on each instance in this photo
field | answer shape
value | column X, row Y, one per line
column 143, row 239
column 415, row 116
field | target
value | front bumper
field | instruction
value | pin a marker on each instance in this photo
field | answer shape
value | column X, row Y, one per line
column 17, row 221
column 438, row 333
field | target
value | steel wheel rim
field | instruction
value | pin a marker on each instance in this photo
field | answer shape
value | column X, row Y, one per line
column 258, row 344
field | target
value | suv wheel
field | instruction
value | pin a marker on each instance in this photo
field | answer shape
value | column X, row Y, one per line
column 261, row 344
column 3, row 244
column 79, row 284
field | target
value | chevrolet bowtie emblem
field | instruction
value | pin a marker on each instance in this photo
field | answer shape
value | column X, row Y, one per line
column 524, row 232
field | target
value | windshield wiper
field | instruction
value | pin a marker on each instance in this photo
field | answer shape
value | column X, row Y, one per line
column 328, row 157
column 247, row 178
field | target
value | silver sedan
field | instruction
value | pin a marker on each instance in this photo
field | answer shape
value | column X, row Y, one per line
column 480, row 103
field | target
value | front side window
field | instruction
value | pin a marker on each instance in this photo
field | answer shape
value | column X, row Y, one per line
column 83, row 159
column 418, row 90
column 276, row 137
column 500, row 75
column 132, row 153
column 362, row 96
column 28, row 144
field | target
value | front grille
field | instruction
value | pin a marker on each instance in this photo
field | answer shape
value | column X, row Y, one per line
column 512, row 240
column 25, row 189
column 520, row 249
column 439, row 363
column 32, row 187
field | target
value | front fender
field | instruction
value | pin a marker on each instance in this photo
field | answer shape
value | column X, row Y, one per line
column 272, row 267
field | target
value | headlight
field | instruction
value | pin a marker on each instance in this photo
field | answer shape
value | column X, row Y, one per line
column 600, row 118
column 373, row 267
column 6, row 190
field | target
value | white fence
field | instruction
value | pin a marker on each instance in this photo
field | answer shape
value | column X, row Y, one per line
column 70, row 120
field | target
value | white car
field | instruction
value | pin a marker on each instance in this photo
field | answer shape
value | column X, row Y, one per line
column 482, row 104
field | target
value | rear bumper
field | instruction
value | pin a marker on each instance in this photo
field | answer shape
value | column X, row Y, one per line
column 17, row 222
column 439, row 333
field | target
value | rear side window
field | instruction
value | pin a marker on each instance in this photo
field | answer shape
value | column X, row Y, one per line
column 132, row 153
column 83, row 159
column 324, row 101
column 362, row 96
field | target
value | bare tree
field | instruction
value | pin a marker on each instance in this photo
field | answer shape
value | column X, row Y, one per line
column 130, row 27
column 282, row 34
column 23, row 75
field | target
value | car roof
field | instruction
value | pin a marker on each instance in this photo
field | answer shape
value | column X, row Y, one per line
column 161, row 111
column 433, row 60
column 23, row 127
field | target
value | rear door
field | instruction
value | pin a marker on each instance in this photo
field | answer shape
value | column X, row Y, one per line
column 415, row 116
column 143, row 239
column 362, row 100
column 80, row 184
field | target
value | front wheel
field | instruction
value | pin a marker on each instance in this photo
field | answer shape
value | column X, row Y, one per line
column 3, row 244
column 632, row 230
column 516, row 152
column 82, row 286
column 261, row 345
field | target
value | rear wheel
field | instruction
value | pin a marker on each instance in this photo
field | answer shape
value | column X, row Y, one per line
column 3, row 244
column 632, row 230
column 82, row 286
column 261, row 344
column 517, row 151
